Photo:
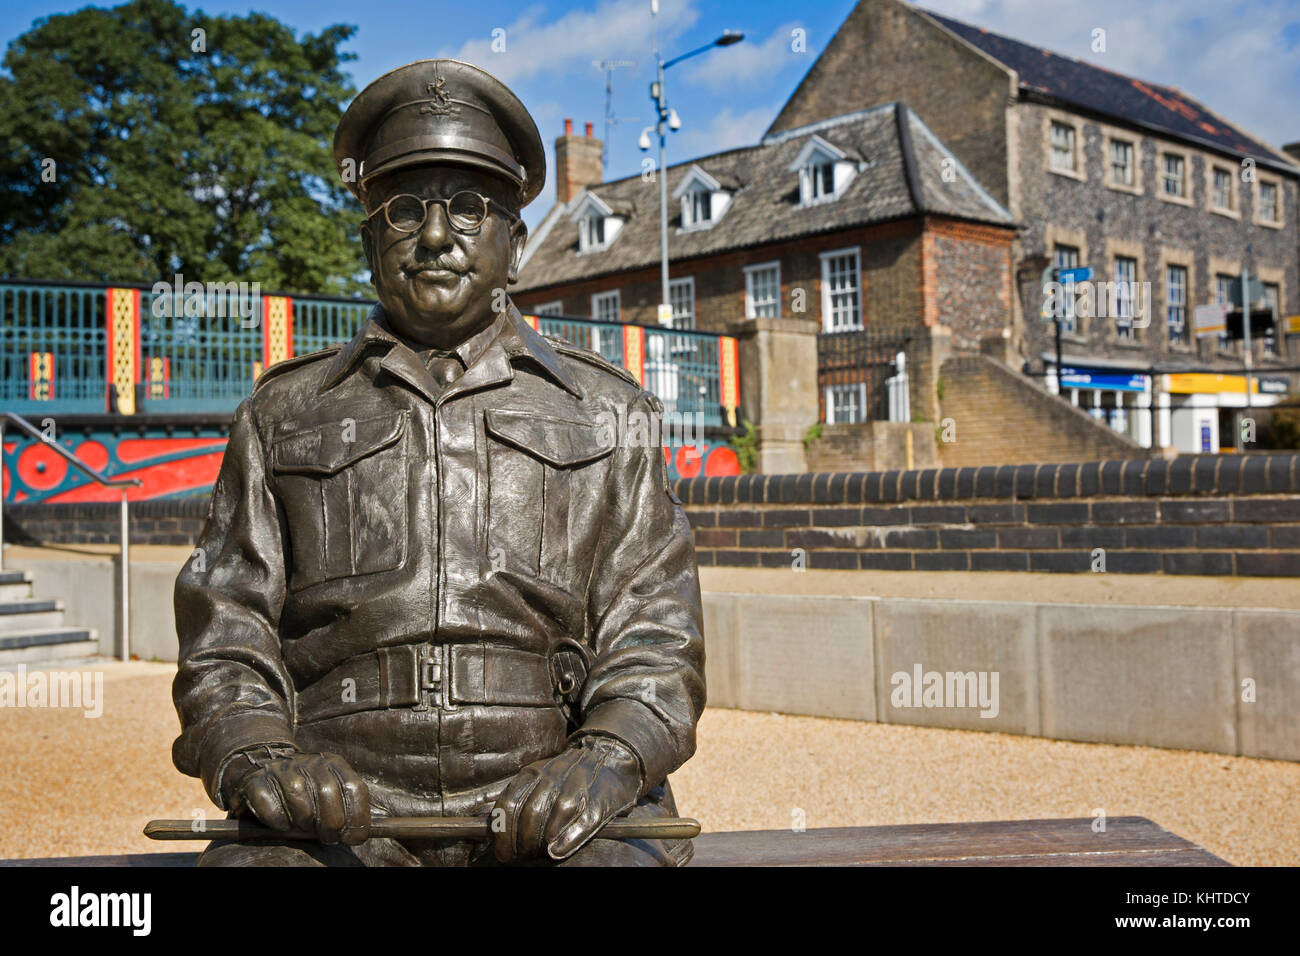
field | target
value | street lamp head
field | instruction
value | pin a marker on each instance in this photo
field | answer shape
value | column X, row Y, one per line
column 728, row 38
column 674, row 122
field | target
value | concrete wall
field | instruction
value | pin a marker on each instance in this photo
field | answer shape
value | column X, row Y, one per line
column 88, row 586
column 1222, row 680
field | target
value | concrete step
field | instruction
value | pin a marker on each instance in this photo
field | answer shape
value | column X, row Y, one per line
column 42, row 644
column 15, row 590
column 14, row 577
column 16, row 616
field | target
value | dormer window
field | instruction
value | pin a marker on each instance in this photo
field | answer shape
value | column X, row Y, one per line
column 824, row 171
column 696, row 207
column 598, row 222
column 821, row 180
column 591, row 232
column 704, row 197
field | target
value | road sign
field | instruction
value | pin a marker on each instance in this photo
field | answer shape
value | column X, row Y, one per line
column 1210, row 320
column 1081, row 274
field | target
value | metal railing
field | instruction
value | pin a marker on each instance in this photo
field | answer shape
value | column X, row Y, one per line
column 860, row 365
column 125, row 536
column 202, row 352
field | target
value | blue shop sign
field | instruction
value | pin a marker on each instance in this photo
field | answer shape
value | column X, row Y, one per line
column 1103, row 380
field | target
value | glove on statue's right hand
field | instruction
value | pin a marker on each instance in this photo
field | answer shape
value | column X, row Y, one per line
column 313, row 793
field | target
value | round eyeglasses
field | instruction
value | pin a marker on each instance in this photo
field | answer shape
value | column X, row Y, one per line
column 465, row 211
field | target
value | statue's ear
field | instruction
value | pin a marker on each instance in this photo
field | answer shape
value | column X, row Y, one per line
column 518, row 238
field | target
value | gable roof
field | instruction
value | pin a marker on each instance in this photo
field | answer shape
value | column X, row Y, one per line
column 1151, row 105
column 901, row 175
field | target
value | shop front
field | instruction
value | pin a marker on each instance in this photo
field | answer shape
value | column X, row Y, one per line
column 1199, row 412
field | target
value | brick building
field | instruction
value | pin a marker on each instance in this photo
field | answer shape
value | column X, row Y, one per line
column 866, row 222
column 1135, row 180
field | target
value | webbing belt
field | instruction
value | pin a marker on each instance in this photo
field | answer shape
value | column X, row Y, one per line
column 421, row 676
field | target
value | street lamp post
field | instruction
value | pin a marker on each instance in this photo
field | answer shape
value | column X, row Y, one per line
column 668, row 118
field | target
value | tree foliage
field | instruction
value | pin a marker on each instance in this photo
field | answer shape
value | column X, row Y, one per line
column 204, row 153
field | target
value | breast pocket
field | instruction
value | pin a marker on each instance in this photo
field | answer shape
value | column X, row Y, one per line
column 343, row 485
column 536, row 465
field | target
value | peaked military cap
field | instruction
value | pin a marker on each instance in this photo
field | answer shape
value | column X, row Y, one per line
column 439, row 111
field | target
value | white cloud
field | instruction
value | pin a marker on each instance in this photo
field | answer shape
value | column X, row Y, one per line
column 724, row 130
column 616, row 29
column 747, row 62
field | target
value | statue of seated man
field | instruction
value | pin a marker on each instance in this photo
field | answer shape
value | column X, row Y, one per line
column 432, row 585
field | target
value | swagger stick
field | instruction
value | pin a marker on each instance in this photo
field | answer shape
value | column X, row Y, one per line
column 411, row 828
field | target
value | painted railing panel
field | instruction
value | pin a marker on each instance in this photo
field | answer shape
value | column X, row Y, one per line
column 188, row 347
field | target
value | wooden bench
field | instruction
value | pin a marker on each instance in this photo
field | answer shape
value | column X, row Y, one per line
column 1128, row 841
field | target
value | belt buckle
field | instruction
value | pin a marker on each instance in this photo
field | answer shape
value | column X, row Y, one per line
column 435, row 677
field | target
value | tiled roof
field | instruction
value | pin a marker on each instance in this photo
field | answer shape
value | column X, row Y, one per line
column 903, row 176
column 1111, row 94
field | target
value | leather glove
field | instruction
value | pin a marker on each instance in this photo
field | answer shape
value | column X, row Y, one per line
column 289, row 790
column 562, row 802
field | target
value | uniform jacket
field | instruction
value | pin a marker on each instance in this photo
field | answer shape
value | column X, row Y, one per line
column 441, row 584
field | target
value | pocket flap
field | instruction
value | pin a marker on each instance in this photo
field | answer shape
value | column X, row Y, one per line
column 554, row 440
column 324, row 449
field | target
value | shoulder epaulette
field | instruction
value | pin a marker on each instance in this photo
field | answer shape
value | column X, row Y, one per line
column 591, row 358
column 279, row 368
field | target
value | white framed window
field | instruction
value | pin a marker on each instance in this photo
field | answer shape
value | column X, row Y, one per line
column 697, row 207
column 841, row 291
column 1124, row 273
column 1062, row 148
column 1268, row 206
column 1121, row 162
column 824, row 171
column 846, row 403
column 1173, row 178
column 1223, row 196
column 821, row 180
column 763, row 291
column 1176, row 303
column 550, row 308
column 1223, row 296
column 591, row 233
column 605, row 306
column 681, row 296
column 1067, row 257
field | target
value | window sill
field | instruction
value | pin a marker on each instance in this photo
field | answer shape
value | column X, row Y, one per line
column 1176, row 200
column 1270, row 224
column 1134, row 190
column 1068, row 174
column 1226, row 213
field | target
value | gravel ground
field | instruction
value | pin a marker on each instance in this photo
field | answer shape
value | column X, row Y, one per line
column 77, row 786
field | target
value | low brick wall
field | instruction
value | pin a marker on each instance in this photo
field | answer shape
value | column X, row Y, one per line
column 1195, row 514
column 159, row 521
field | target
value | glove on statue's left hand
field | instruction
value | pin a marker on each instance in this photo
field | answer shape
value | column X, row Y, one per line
column 560, row 803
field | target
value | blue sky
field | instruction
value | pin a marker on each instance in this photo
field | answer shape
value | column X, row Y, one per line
column 1239, row 57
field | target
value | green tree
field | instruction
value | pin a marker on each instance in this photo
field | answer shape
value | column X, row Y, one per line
column 180, row 142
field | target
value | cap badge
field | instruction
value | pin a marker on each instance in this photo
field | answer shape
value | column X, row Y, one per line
column 439, row 101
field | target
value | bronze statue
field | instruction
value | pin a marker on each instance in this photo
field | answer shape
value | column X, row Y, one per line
column 431, row 585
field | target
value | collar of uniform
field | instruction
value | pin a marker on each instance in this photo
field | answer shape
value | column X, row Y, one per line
column 509, row 333
column 518, row 338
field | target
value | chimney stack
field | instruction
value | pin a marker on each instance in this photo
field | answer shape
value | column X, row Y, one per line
column 577, row 162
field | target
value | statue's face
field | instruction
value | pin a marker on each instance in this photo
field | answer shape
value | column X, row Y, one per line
column 438, row 283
